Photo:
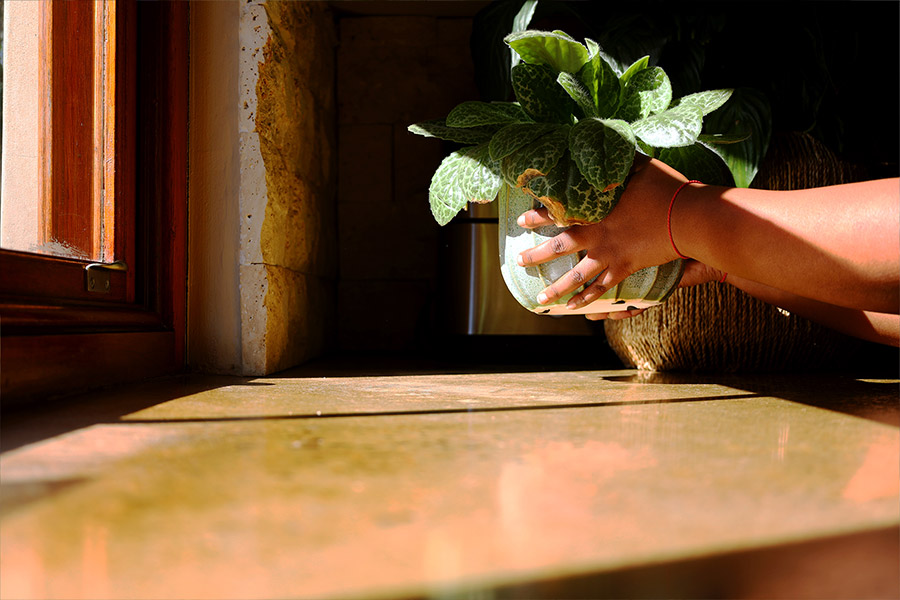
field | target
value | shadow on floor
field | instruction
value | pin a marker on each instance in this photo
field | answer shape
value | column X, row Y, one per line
column 858, row 565
column 34, row 422
column 876, row 400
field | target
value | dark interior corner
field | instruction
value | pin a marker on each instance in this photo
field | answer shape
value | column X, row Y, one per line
column 400, row 274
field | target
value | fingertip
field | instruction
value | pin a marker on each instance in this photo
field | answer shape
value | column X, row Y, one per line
column 526, row 219
column 531, row 219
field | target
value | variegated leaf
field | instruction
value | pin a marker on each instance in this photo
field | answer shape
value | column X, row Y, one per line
column 677, row 126
column 467, row 175
column 540, row 155
column 560, row 52
column 601, row 81
column 463, row 135
column 476, row 114
column 698, row 162
column 520, row 23
column 539, row 94
column 514, row 136
column 647, row 92
column 747, row 110
column 707, row 101
column 580, row 94
column 635, row 67
column 603, row 151
column 569, row 197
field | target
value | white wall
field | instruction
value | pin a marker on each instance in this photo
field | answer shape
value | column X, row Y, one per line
column 214, row 309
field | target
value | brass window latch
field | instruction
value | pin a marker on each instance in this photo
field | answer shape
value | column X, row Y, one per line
column 96, row 275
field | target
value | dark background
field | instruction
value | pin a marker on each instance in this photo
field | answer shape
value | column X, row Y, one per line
column 826, row 68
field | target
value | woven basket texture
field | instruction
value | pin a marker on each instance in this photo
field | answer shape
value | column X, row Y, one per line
column 719, row 328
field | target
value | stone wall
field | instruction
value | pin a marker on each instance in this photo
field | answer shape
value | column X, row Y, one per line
column 288, row 263
column 392, row 71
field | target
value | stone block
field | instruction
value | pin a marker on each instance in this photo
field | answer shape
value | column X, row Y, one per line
column 364, row 163
column 307, row 39
column 326, row 146
column 383, row 315
column 294, row 118
column 296, row 142
column 454, row 32
column 254, row 32
column 296, row 325
column 287, row 317
column 254, row 287
column 387, row 242
column 253, row 198
column 402, row 69
column 287, row 189
column 383, row 68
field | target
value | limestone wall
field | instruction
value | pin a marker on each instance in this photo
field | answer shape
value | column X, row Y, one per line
column 263, row 237
column 288, row 235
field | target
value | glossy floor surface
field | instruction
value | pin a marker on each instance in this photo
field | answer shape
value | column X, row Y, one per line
column 331, row 481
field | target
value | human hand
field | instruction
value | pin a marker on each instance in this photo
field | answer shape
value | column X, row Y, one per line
column 695, row 273
column 632, row 237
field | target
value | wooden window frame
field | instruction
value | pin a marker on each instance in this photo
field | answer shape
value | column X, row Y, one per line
column 87, row 145
column 56, row 337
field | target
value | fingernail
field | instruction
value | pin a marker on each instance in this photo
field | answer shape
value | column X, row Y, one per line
column 521, row 221
column 520, row 261
column 542, row 298
column 574, row 303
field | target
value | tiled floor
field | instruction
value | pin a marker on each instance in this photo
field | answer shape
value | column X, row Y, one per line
column 328, row 481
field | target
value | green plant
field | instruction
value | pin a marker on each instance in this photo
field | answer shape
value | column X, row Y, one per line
column 570, row 138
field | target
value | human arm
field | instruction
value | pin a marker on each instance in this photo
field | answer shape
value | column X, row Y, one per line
column 837, row 244
column 880, row 327
column 872, row 326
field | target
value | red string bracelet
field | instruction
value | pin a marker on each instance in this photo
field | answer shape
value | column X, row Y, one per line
column 669, row 216
column 724, row 276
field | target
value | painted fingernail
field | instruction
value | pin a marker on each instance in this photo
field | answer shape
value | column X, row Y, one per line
column 521, row 221
column 542, row 298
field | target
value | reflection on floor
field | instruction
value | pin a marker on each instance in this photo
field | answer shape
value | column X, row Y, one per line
column 396, row 482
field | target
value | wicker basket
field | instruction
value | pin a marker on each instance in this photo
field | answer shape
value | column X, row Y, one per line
column 715, row 327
